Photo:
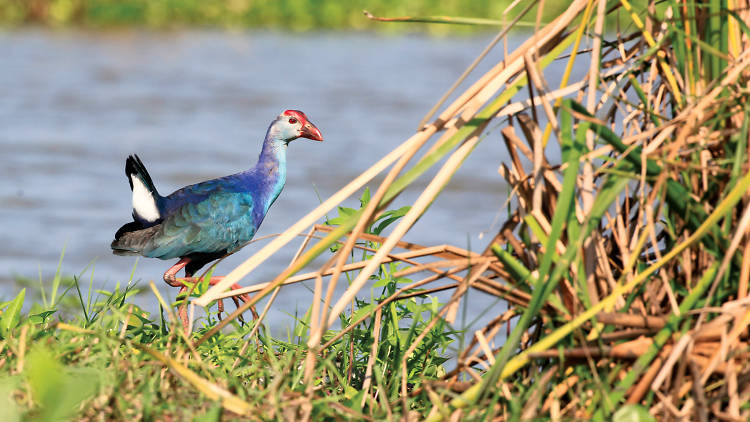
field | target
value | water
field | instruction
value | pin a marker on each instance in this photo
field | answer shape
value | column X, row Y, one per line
column 195, row 105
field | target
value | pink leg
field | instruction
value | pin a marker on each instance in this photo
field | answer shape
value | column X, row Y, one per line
column 169, row 275
column 243, row 297
column 182, row 310
column 171, row 279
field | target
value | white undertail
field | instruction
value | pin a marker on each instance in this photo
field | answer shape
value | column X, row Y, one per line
column 144, row 203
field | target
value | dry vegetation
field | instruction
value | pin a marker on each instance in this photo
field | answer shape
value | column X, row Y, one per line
column 624, row 264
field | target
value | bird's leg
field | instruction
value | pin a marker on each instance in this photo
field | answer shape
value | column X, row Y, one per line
column 169, row 275
column 182, row 310
column 172, row 280
column 220, row 306
column 237, row 304
column 243, row 297
column 169, row 278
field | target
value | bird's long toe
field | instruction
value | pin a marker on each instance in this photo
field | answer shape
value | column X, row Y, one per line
column 182, row 309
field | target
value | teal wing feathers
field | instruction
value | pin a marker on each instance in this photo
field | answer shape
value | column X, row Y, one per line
column 223, row 221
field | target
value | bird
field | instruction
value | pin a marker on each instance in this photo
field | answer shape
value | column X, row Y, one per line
column 206, row 221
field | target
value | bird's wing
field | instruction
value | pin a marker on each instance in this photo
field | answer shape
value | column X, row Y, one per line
column 200, row 192
column 223, row 221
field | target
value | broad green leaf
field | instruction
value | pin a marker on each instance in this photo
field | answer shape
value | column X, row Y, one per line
column 632, row 413
column 389, row 218
column 41, row 317
column 57, row 390
column 363, row 311
column 212, row 415
column 12, row 314
column 365, row 198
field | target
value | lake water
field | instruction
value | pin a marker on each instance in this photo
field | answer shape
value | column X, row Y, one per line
column 195, row 105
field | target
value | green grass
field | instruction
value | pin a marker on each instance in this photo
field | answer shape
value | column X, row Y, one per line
column 79, row 368
column 297, row 15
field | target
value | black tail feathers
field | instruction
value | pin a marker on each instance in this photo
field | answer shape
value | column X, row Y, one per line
column 134, row 166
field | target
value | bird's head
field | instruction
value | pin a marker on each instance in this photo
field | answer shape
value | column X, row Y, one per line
column 293, row 124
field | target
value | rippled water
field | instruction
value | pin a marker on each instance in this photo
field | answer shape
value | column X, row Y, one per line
column 195, row 105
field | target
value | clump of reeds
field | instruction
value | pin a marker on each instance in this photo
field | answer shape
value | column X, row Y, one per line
column 624, row 263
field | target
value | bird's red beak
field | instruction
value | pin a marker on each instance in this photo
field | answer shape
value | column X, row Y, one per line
column 309, row 131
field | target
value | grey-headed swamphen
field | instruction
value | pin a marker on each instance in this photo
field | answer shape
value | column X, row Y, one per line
column 208, row 220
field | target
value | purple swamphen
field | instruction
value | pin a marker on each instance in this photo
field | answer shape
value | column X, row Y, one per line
column 208, row 220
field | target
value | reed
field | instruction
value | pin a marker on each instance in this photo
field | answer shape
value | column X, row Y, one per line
column 643, row 216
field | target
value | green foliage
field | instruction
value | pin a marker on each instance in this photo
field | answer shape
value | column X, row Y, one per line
column 377, row 226
column 401, row 321
column 56, row 389
column 11, row 314
column 298, row 15
column 632, row 413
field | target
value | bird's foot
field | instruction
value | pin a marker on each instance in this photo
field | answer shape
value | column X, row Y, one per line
column 182, row 310
column 170, row 277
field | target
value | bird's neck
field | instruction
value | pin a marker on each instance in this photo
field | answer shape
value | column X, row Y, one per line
column 271, row 168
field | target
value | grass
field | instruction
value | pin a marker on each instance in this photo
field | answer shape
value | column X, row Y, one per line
column 299, row 15
column 623, row 260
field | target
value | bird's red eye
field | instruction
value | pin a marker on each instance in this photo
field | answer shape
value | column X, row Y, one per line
column 292, row 120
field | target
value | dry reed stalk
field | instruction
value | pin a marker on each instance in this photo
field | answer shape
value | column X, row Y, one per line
column 315, row 321
column 364, row 220
column 621, row 267
column 630, row 320
column 537, row 147
column 486, row 330
column 678, row 351
column 587, row 185
column 742, row 290
column 731, row 341
column 476, row 61
column 420, row 205
column 404, row 257
column 270, row 286
column 313, row 216
column 530, row 410
column 482, row 94
column 255, row 329
column 394, row 296
column 639, row 390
